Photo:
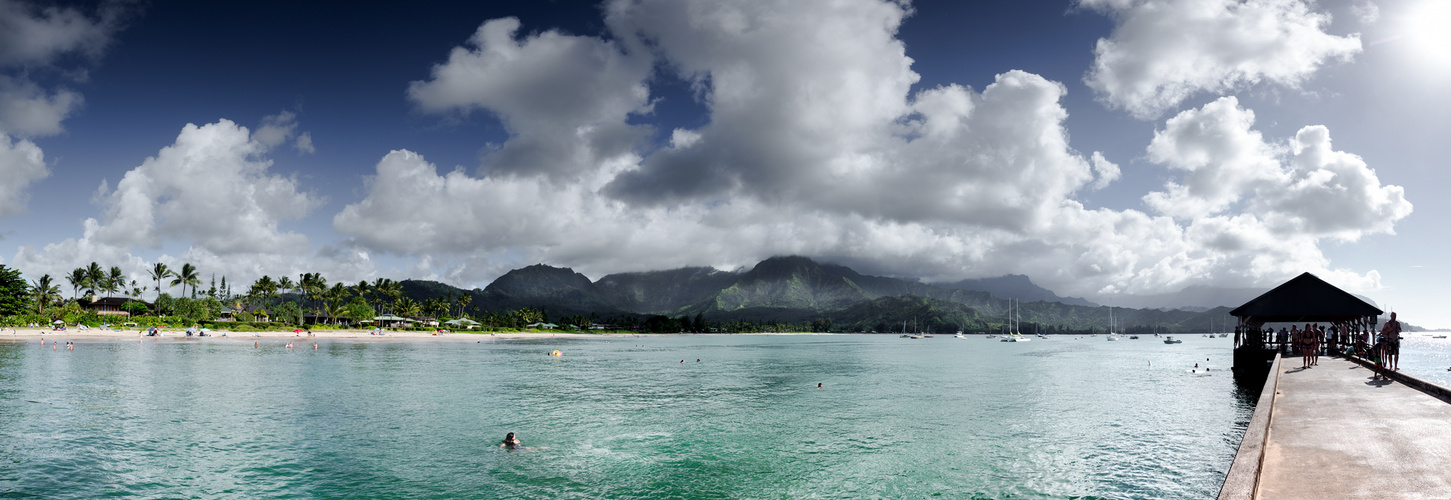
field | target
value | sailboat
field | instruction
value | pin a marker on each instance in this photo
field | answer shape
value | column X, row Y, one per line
column 1112, row 336
column 1015, row 335
column 906, row 335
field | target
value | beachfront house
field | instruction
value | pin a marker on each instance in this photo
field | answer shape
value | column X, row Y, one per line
column 390, row 321
column 109, row 306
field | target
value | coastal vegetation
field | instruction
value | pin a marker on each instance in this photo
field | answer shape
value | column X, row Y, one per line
column 782, row 294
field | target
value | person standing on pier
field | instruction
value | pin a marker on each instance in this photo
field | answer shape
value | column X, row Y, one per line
column 1297, row 342
column 1392, row 343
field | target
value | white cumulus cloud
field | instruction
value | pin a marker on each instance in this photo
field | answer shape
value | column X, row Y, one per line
column 1164, row 51
column 21, row 163
column 816, row 144
column 213, row 192
column 1299, row 187
column 563, row 98
column 211, row 187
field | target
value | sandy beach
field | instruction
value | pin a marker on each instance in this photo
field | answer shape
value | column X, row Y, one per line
column 362, row 335
column 354, row 335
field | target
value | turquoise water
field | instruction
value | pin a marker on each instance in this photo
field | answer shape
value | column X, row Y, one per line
column 896, row 418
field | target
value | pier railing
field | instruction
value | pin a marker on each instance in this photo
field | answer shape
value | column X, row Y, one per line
column 1431, row 388
column 1244, row 473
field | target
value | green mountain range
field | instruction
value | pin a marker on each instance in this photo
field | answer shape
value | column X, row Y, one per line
column 800, row 290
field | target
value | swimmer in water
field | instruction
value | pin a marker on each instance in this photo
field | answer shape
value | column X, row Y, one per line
column 818, row 385
column 697, row 360
column 510, row 442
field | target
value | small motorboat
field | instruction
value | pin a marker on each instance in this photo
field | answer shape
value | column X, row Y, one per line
column 1171, row 340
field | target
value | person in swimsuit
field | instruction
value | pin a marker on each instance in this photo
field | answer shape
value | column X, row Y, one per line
column 1317, row 339
column 1392, row 342
column 510, row 442
column 1307, row 344
column 1297, row 342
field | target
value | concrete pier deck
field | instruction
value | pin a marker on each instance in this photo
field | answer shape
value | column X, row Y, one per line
column 1334, row 433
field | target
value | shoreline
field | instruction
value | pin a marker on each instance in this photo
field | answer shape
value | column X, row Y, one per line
column 354, row 335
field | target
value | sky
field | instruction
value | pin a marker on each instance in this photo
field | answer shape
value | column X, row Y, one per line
column 1105, row 148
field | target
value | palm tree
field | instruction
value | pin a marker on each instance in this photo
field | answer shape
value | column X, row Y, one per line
column 362, row 289
column 380, row 290
column 284, row 284
column 312, row 285
column 405, row 307
column 77, row 280
column 463, row 303
column 395, row 293
column 115, row 282
column 43, row 291
column 264, row 288
column 435, row 306
column 333, row 299
column 95, row 277
column 136, row 289
column 187, row 276
column 160, row 272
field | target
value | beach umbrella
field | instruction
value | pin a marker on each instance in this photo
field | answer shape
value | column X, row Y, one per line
column 58, row 322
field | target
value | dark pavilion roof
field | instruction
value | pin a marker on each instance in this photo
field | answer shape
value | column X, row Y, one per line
column 1306, row 298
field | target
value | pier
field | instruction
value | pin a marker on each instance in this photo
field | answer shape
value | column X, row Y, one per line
column 1330, row 432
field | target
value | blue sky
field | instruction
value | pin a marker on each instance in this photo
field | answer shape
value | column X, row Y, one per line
column 1106, row 148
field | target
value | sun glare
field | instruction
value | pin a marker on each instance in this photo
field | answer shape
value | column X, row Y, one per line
column 1428, row 28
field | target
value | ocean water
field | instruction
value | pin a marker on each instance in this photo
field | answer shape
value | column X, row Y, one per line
column 624, row 418
column 1427, row 357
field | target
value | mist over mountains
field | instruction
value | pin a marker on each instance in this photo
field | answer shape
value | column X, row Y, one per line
column 795, row 289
